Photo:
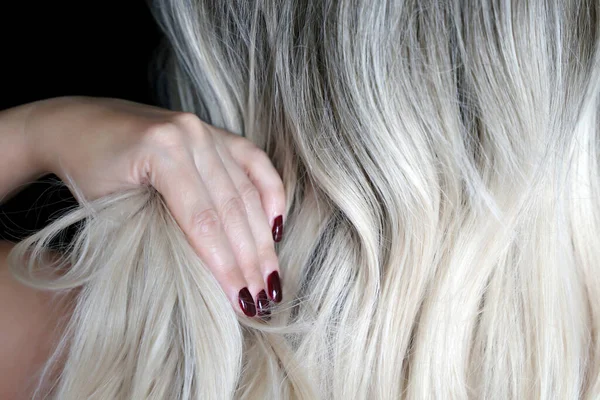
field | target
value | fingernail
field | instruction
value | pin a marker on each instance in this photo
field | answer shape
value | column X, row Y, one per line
column 262, row 303
column 274, row 287
column 278, row 228
column 247, row 303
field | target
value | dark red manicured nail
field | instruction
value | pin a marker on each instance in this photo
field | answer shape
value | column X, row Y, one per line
column 278, row 229
column 246, row 302
column 262, row 304
column 274, row 287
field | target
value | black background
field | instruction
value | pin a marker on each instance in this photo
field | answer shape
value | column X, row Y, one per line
column 57, row 48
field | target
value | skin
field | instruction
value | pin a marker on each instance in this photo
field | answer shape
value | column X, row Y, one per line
column 222, row 190
column 30, row 328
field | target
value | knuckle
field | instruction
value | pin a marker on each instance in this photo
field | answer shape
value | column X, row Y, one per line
column 165, row 137
column 238, row 141
column 179, row 133
column 246, row 148
column 206, row 223
column 190, row 122
column 249, row 263
column 257, row 155
column 231, row 274
column 185, row 119
column 249, row 192
column 266, row 251
column 233, row 207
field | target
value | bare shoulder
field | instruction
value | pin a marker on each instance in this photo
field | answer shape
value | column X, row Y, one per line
column 28, row 322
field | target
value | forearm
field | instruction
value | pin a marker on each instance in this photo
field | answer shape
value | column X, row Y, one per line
column 18, row 164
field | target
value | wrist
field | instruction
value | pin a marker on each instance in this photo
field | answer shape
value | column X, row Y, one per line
column 20, row 148
column 34, row 157
column 42, row 128
column 19, row 164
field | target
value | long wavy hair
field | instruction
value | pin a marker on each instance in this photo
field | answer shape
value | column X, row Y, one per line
column 441, row 163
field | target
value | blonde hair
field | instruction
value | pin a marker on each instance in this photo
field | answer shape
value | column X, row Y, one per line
column 443, row 183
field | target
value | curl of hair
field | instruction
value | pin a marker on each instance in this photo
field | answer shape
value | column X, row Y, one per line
column 441, row 162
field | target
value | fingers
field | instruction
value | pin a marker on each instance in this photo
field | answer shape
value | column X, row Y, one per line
column 229, row 200
column 194, row 210
column 241, row 214
column 260, row 227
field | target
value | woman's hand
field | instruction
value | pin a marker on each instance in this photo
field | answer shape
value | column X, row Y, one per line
column 222, row 190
